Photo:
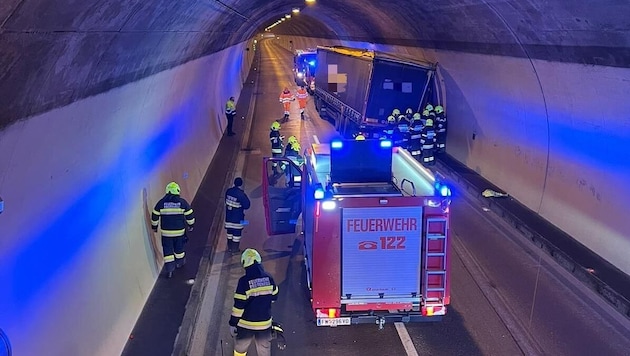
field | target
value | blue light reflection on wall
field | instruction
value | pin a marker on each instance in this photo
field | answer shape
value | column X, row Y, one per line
column 59, row 242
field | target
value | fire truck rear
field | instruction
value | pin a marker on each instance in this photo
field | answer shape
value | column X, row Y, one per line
column 375, row 225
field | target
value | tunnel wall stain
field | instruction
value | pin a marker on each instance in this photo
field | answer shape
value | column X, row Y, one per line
column 77, row 253
column 550, row 134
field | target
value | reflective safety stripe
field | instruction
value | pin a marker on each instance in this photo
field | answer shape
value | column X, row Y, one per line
column 229, row 225
column 156, row 212
column 265, row 290
column 188, row 212
column 276, row 150
column 236, row 312
column 415, row 137
column 169, row 258
column 172, row 211
column 180, row 255
column 233, row 204
column 427, row 146
column 236, row 238
column 154, row 223
column 190, row 221
column 173, row 233
column 240, row 296
column 416, row 153
column 275, row 291
column 255, row 325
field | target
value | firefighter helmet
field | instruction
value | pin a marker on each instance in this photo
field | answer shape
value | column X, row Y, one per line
column 172, row 188
column 296, row 146
column 439, row 109
column 429, row 122
column 292, row 140
column 416, row 116
column 359, row 137
column 425, row 113
column 429, row 107
column 275, row 126
column 396, row 112
column 391, row 119
column 409, row 111
column 249, row 257
column 401, row 118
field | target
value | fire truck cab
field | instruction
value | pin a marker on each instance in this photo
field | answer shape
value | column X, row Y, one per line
column 376, row 231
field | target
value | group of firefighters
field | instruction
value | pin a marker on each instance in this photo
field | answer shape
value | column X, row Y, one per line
column 423, row 135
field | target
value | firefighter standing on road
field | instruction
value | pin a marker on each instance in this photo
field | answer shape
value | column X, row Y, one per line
column 251, row 314
column 286, row 98
column 440, row 129
column 302, row 95
column 415, row 134
column 276, row 142
column 230, row 112
column 236, row 202
column 389, row 129
column 427, row 138
column 403, row 128
column 173, row 213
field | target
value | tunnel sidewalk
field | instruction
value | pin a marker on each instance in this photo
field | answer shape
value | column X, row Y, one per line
column 592, row 270
column 159, row 323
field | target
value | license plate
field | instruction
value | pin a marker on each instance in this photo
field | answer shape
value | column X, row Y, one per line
column 332, row 321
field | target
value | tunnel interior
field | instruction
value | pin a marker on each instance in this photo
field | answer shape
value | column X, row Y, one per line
column 102, row 96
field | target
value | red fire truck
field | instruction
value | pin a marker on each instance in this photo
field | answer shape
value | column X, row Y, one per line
column 376, row 230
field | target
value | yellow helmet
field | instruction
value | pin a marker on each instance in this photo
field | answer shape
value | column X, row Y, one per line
column 401, row 118
column 416, row 116
column 249, row 257
column 359, row 137
column 296, row 146
column 425, row 113
column 172, row 188
column 396, row 112
column 429, row 107
column 429, row 122
column 439, row 109
column 275, row 126
column 409, row 111
column 291, row 140
column 391, row 119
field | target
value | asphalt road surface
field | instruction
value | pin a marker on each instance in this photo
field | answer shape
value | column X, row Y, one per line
column 507, row 297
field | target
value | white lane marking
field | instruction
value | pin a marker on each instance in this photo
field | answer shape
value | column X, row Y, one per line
column 406, row 339
column 316, row 139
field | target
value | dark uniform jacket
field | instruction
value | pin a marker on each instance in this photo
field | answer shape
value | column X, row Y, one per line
column 173, row 213
column 236, row 202
column 276, row 142
column 255, row 292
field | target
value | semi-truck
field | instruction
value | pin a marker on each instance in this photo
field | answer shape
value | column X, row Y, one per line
column 358, row 89
column 375, row 226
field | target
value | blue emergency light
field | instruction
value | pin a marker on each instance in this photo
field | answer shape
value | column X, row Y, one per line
column 336, row 144
column 442, row 188
column 386, row 144
column 311, row 63
column 319, row 193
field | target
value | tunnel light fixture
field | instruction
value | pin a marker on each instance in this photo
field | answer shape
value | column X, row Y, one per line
column 287, row 16
column 282, row 19
column 295, row 10
column 309, row 1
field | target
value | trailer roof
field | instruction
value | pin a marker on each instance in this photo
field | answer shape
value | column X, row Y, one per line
column 370, row 55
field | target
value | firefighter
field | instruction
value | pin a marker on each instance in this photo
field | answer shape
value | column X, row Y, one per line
column 409, row 114
column 440, row 129
column 292, row 152
column 427, row 138
column 251, row 314
column 389, row 129
column 174, row 215
column 286, row 98
column 276, row 142
column 230, row 112
column 396, row 113
column 302, row 95
column 403, row 128
column 415, row 133
column 236, row 202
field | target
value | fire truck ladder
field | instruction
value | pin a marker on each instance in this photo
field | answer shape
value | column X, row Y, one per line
column 434, row 286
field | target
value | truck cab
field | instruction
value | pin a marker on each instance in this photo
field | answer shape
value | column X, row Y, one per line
column 304, row 68
column 375, row 225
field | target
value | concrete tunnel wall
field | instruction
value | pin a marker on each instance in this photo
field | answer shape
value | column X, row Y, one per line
column 77, row 256
column 553, row 135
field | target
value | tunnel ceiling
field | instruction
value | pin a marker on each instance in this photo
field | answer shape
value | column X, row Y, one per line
column 53, row 52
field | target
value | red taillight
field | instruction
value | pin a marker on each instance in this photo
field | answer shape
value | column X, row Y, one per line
column 317, row 205
column 328, row 313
